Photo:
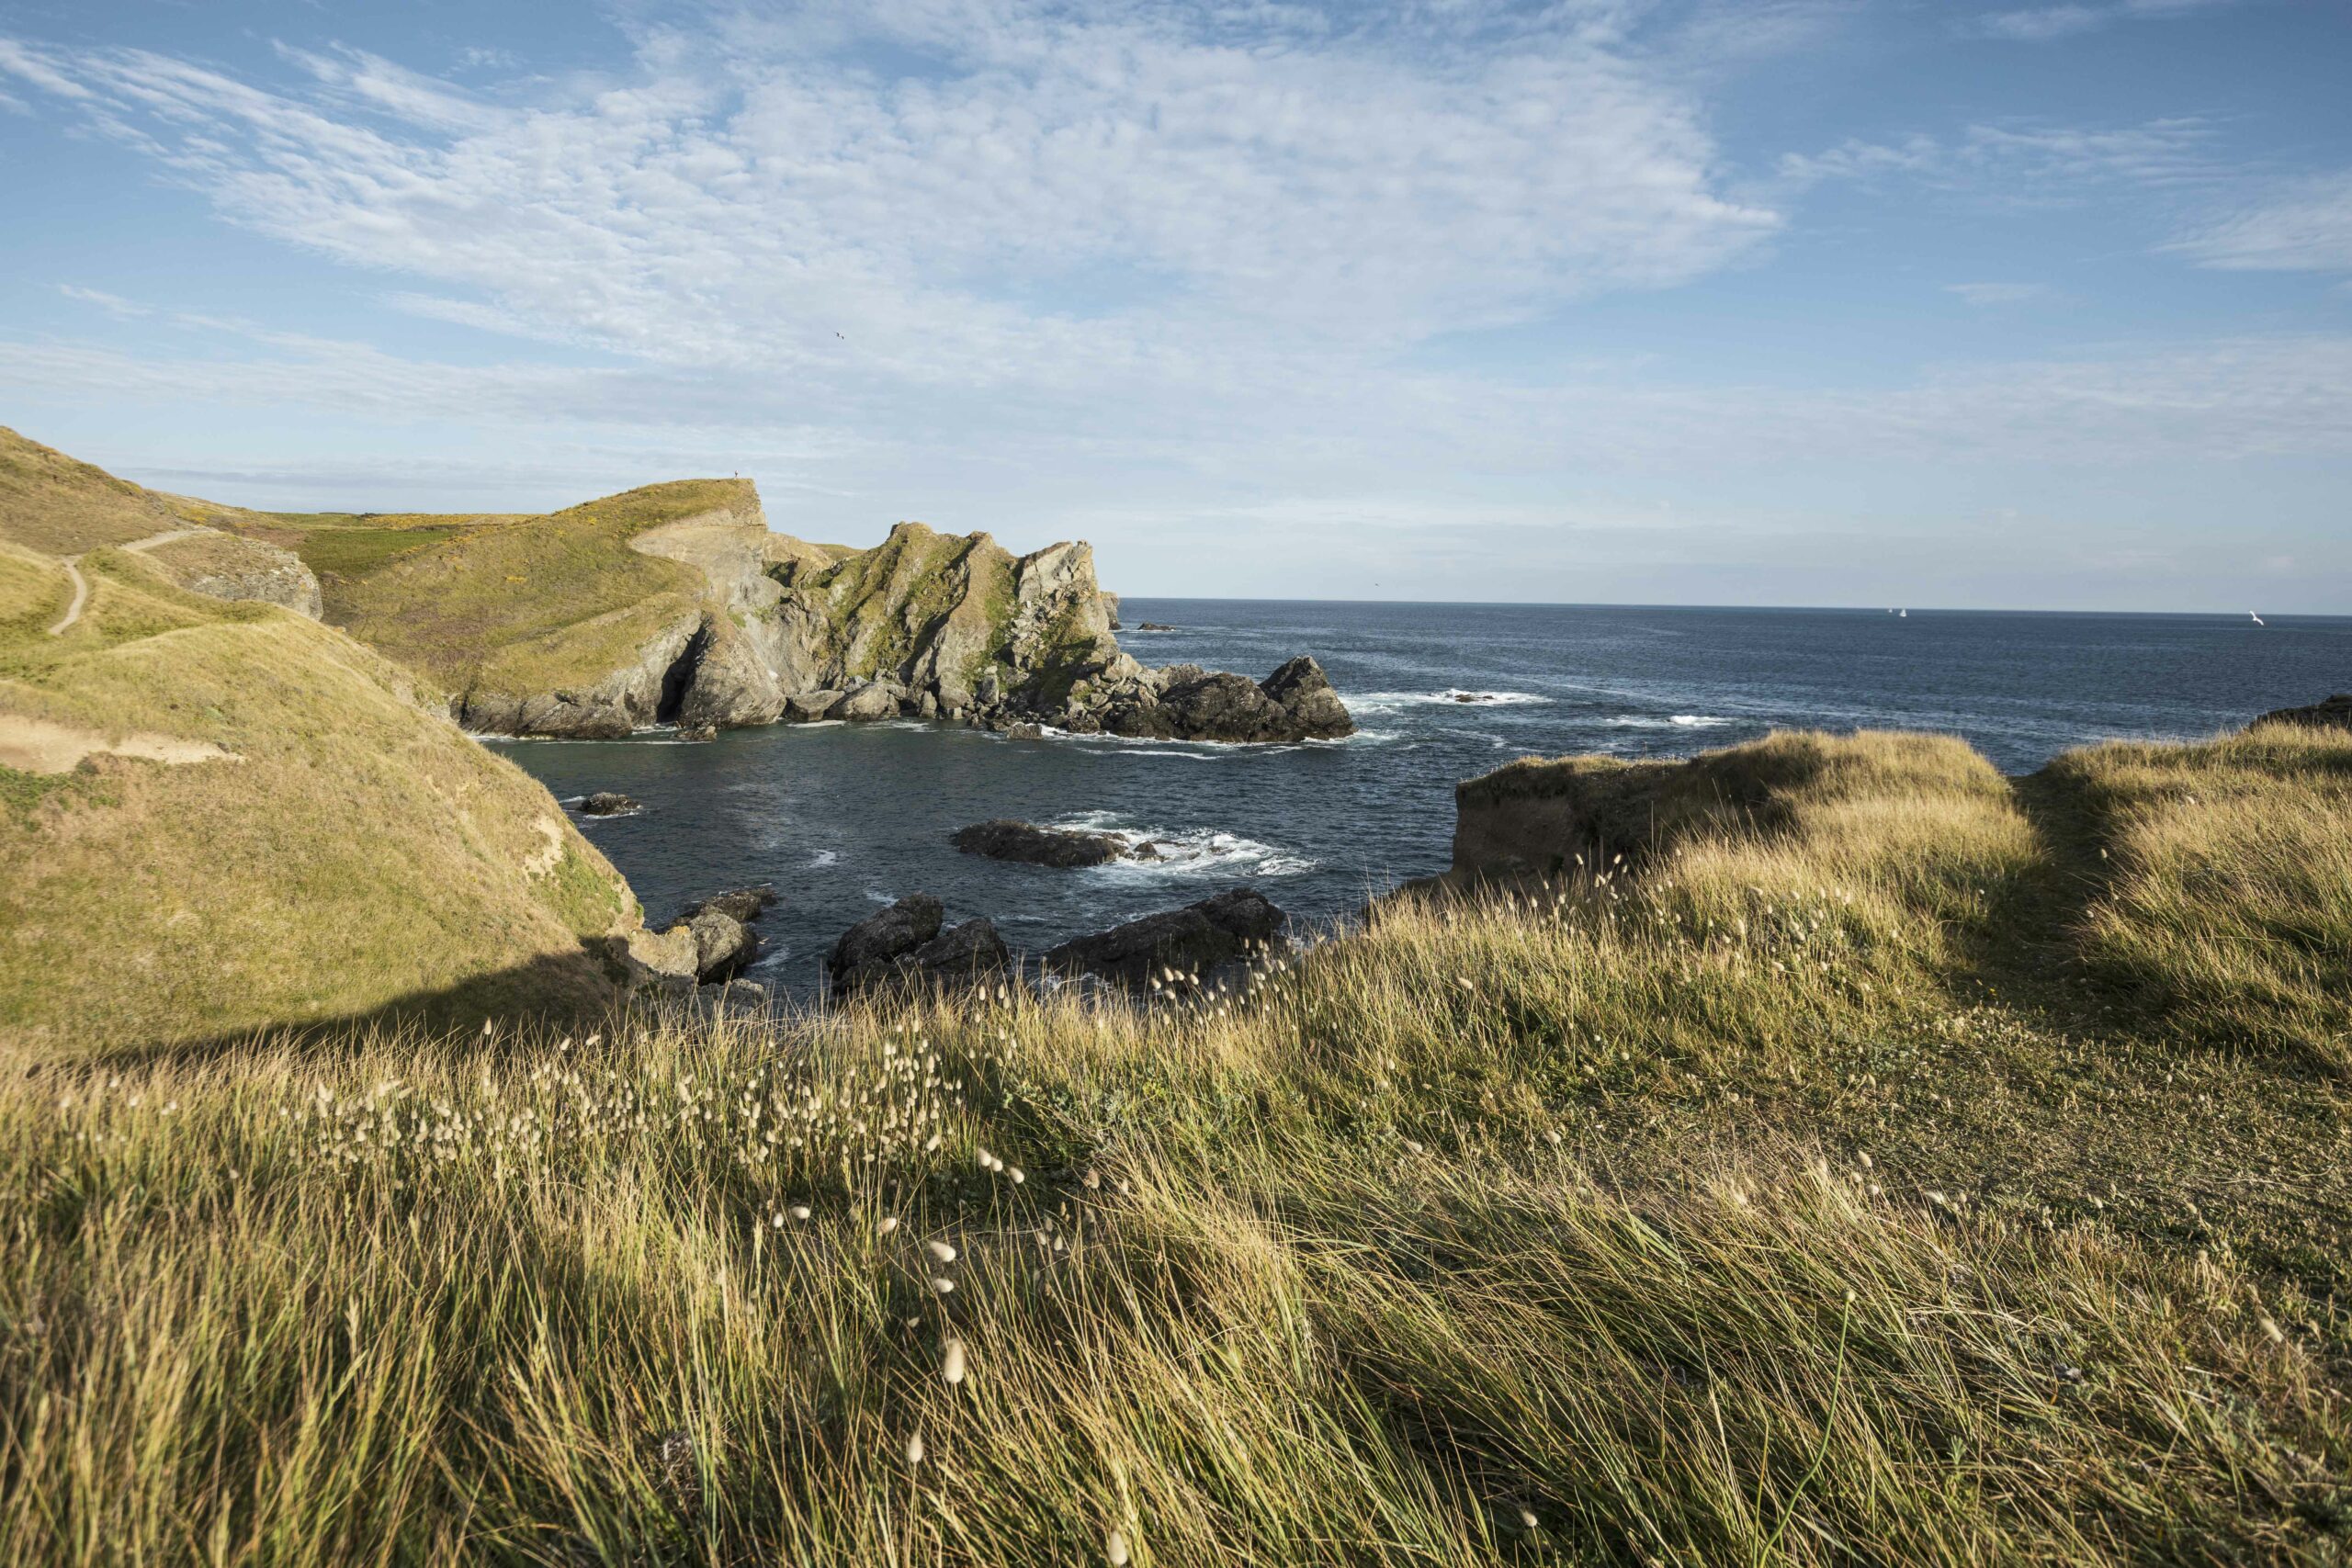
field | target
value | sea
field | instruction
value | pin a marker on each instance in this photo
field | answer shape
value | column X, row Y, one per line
column 845, row 818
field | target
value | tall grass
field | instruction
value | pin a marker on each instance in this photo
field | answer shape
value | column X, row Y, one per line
column 2227, row 868
column 1729, row 1213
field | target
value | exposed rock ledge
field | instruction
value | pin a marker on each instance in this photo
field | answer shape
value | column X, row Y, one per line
column 2331, row 713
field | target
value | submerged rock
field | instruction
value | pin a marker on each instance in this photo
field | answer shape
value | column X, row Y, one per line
column 1033, row 845
column 1237, row 923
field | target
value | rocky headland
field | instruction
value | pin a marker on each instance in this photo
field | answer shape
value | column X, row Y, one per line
column 675, row 605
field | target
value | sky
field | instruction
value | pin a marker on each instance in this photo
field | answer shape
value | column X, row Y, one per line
column 1873, row 302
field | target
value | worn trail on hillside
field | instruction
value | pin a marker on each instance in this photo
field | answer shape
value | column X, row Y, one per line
column 73, row 565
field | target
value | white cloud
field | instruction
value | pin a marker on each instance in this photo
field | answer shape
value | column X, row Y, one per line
column 2039, row 23
column 1049, row 201
column 2301, row 226
column 2023, row 158
column 114, row 305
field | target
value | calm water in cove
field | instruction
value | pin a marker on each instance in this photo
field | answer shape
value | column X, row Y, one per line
column 844, row 818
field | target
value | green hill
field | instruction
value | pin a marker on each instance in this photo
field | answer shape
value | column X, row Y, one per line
column 217, row 817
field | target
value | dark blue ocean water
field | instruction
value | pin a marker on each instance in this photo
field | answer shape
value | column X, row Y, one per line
column 844, row 819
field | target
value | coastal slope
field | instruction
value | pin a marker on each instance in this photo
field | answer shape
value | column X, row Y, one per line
column 219, row 815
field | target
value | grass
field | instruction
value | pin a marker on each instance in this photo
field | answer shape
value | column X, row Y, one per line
column 360, row 855
column 555, row 603
column 2223, row 888
column 1812, row 1193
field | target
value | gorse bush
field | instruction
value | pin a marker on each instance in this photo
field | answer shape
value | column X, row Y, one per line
column 1796, row 1197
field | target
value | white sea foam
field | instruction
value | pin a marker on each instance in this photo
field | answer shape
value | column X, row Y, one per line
column 1668, row 721
column 1453, row 696
column 824, row 858
column 1189, row 852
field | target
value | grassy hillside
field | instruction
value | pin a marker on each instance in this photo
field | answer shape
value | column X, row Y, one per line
column 217, row 817
column 1827, row 1188
column 526, row 606
column 53, row 505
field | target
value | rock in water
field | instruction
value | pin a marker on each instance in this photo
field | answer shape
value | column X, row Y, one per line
column 1184, row 702
column 744, row 904
column 723, row 945
column 1031, row 845
column 1301, row 690
column 971, row 951
column 2334, row 713
column 873, row 943
column 607, row 803
column 904, row 943
column 1195, row 938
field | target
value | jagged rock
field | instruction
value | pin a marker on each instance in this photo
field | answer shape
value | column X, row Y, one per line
column 1185, row 702
column 723, row 945
column 1305, row 693
column 2334, row 712
column 904, row 944
column 667, row 959
column 1024, row 732
column 969, row 951
column 1192, row 939
column 807, row 707
column 874, row 941
column 1154, row 626
column 874, row 700
column 698, row 732
column 1033, row 845
column 744, row 904
column 608, row 803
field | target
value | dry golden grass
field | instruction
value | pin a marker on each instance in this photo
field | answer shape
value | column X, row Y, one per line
column 360, row 854
column 1780, row 1203
column 2223, row 888
column 558, row 602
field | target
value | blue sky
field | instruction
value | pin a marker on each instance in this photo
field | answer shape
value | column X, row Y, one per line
column 1787, row 301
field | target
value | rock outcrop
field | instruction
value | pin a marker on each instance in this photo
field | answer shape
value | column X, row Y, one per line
column 608, row 803
column 904, row 944
column 724, row 946
column 224, row 566
column 1033, row 845
column 1185, row 702
column 2331, row 713
column 745, row 904
column 1235, row 924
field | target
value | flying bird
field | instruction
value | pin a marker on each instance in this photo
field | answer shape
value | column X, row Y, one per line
column 2258, row 619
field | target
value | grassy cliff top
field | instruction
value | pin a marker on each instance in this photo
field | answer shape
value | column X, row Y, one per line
column 535, row 605
column 218, row 816
column 1810, row 1196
